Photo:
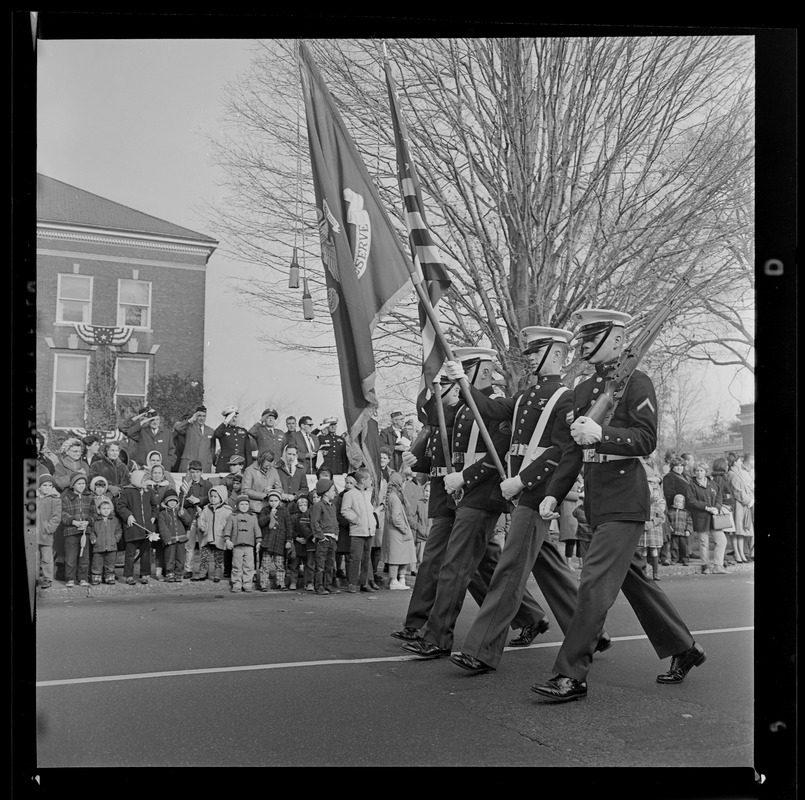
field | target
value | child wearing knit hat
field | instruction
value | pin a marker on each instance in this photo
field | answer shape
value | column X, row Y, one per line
column 242, row 535
column 106, row 533
column 277, row 534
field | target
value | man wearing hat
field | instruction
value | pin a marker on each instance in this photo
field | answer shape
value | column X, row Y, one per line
column 540, row 434
column 146, row 432
column 266, row 437
column 467, row 550
column 391, row 436
column 199, row 441
column 617, row 504
column 233, row 439
column 333, row 448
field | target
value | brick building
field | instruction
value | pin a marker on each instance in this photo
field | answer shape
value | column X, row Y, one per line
column 108, row 275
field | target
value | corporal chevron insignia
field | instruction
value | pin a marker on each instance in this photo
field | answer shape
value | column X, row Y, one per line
column 645, row 403
column 115, row 335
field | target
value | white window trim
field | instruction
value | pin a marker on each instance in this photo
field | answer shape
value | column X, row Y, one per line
column 147, row 376
column 146, row 328
column 59, row 298
column 56, row 357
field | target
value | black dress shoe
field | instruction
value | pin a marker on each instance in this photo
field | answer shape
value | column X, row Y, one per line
column 604, row 643
column 560, row 689
column 682, row 664
column 407, row 634
column 469, row 663
column 368, row 588
column 529, row 633
column 425, row 649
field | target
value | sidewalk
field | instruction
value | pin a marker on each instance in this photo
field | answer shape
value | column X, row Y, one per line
column 187, row 587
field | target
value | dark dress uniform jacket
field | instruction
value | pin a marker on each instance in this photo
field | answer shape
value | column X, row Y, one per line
column 555, row 436
column 481, row 479
column 430, row 455
column 616, row 490
column 334, row 453
column 267, row 440
column 234, row 441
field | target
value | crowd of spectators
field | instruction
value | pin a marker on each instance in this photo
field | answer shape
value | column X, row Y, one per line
column 261, row 507
column 174, row 504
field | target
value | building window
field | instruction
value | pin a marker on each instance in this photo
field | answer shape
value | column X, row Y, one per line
column 134, row 303
column 69, row 390
column 131, row 383
column 74, row 300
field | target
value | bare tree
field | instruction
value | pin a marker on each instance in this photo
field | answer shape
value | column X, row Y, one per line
column 558, row 173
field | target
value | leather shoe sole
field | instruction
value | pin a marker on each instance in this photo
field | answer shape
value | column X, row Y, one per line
column 469, row 663
column 528, row 634
column 406, row 635
column 554, row 695
column 604, row 643
column 419, row 650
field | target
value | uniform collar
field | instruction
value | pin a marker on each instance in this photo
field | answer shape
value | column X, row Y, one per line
column 548, row 379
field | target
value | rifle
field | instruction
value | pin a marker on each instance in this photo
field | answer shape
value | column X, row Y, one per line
column 604, row 407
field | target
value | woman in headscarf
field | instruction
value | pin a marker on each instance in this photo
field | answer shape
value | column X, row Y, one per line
column 69, row 461
column 398, row 549
column 703, row 503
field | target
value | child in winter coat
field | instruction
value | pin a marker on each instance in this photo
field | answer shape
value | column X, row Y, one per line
column 138, row 509
column 193, row 495
column 106, row 533
column 48, row 518
column 242, row 534
column 76, row 515
column 277, row 535
column 302, row 554
column 681, row 523
column 99, row 487
column 172, row 525
column 324, row 523
column 422, row 524
column 211, row 524
column 584, row 533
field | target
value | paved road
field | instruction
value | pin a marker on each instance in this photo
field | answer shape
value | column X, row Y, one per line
column 218, row 679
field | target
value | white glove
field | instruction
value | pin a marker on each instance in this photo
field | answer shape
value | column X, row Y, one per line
column 511, row 487
column 229, row 417
column 408, row 459
column 454, row 370
column 546, row 508
column 585, row 431
column 453, row 481
column 153, row 537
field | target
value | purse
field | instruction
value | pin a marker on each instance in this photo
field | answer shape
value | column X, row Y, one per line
column 718, row 522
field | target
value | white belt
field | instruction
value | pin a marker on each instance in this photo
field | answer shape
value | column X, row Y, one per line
column 520, row 450
column 438, row 472
column 591, row 457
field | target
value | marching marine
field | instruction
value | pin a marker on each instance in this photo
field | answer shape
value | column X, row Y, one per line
column 617, row 504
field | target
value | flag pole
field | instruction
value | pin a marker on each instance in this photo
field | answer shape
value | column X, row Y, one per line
column 437, row 393
column 463, row 383
column 425, row 304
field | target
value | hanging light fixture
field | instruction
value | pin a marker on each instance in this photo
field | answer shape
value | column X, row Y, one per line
column 307, row 301
column 293, row 277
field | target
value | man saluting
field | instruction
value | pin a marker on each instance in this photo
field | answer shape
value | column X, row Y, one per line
column 617, row 504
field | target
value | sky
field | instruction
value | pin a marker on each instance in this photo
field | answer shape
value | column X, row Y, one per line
column 125, row 119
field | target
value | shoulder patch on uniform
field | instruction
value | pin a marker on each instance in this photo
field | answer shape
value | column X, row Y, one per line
column 569, row 417
column 645, row 403
column 505, row 427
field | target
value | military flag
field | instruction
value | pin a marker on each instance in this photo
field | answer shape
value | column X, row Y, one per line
column 366, row 269
column 424, row 253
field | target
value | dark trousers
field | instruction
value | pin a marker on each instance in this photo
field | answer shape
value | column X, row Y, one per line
column 174, row 558
column 466, row 548
column 143, row 547
column 612, row 564
column 681, row 543
column 76, row 567
column 325, row 564
column 104, row 564
column 301, row 567
column 528, row 550
column 360, row 549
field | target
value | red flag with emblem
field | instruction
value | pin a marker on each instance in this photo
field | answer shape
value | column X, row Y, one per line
column 366, row 270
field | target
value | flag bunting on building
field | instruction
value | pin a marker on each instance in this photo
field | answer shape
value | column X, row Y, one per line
column 366, row 270
column 424, row 253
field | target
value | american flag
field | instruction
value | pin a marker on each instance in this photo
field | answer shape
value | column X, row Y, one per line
column 104, row 334
column 424, row 253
